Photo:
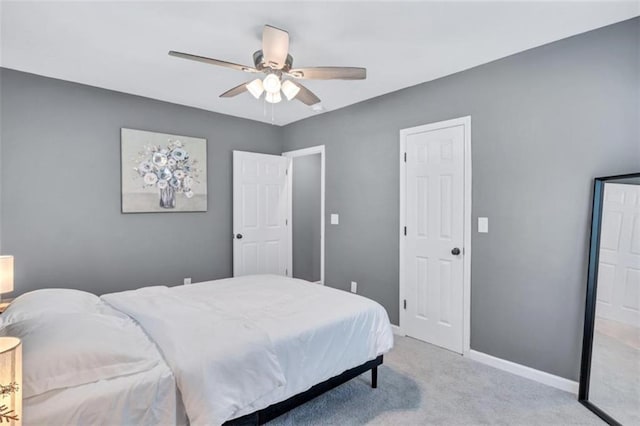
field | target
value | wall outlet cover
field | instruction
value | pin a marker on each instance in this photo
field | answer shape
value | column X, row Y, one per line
column 354, row 287
column 335, row 219
column 187, row 281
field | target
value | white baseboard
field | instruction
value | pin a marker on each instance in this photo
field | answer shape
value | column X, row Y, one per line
column 527, row 372
column 397, row 330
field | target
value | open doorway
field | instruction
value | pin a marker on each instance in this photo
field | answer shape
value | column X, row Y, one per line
column 306, row 230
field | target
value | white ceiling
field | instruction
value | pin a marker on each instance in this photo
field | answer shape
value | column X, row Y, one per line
column 123, row 45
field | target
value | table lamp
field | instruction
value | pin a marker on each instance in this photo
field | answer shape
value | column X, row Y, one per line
column 10, row 380
column 6, row 275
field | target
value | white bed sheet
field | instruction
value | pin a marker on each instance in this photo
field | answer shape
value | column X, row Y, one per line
column 147, row 398
column 317, row 332
column 222, row 361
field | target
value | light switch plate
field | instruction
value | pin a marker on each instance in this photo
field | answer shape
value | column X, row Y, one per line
column 354, row 287
column 334, row 219
column 483, row 225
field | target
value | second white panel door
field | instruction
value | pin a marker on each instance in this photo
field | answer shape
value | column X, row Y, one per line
column 434, row 236
column 260, row 207
column 619, row 267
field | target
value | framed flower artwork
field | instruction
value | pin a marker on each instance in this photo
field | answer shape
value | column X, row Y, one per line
column 163, row 173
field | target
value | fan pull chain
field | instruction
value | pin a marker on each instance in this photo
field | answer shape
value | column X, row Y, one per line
column 273, row 120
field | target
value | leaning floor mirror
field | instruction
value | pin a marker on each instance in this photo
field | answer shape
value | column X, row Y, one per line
column 610, row 372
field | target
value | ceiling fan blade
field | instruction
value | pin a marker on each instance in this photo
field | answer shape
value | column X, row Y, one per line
column 212, row 61
column 275, row 47
column 235, row 91
column 329, row 73
column 306, row 96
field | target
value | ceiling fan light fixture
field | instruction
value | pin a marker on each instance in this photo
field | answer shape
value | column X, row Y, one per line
column 255, row 88
column 273, row 98
column 290, row 89
column 271, row 84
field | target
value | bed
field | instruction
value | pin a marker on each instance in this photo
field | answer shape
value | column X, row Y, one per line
column 236, row 351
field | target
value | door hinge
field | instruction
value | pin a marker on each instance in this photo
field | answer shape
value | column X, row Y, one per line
column 405, row 157
column 286, row 272
column 286, row 172
column 405, row 230
column 286, row 222
column 405, row 304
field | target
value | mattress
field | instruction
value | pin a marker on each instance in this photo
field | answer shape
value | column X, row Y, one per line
column 318, row 332
column 147, row 398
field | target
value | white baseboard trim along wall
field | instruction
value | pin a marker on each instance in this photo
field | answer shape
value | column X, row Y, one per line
column 527, row 372
column 513, row 368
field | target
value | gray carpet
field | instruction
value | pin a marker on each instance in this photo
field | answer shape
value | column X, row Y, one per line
column 615, row 379
column 421, row 384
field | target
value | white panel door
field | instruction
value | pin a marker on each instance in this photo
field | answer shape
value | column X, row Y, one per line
column 434, row 236
column 618, row 295
column 260, row 207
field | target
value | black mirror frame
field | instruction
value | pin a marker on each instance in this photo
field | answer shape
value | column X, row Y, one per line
column 590, row 305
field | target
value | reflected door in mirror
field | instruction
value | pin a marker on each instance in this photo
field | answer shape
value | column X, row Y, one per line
column 615, row 363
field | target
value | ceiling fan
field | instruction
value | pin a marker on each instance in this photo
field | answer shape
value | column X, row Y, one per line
column 275, row 61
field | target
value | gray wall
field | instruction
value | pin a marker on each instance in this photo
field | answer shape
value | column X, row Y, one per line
column 544, row 123
column 61, row 188
column 306, row 194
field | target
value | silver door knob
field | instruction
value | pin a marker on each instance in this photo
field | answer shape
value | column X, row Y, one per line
column 239, row 236
column 455, row 251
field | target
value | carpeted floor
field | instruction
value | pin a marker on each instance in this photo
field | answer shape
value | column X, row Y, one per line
column 421, row 384
column 615, row 375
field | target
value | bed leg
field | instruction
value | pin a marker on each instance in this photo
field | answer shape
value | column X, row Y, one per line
column 374, row 377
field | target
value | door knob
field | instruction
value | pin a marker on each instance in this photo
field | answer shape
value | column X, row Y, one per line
column 239, row 236
column 455, row 251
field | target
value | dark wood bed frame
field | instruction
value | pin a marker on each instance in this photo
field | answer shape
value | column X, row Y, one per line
column 271, row 412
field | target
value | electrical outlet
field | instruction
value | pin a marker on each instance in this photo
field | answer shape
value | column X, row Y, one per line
column 354, row 287
column 187, row 281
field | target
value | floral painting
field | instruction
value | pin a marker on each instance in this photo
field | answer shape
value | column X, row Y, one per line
column 163, row 173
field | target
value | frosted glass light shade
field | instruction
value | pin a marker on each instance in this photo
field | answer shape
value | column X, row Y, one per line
column 290, row 89
column 255, row 88
column 271, row 84
column 273, row 98
column 6, row 274
column 11, row 380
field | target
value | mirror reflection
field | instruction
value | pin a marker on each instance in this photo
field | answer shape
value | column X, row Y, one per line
column 615, row 364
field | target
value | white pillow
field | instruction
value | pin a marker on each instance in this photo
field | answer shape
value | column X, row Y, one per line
column 50, row 301
column 60, row 351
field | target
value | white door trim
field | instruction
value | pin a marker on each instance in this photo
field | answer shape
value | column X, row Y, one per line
column 466, row 122
column 319, row 149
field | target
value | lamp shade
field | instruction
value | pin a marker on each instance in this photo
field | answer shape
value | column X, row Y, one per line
column 273, row 98
column 10, row 380
column 271, row 84
column 255, row 88
column 290, row 89
column 6, row 274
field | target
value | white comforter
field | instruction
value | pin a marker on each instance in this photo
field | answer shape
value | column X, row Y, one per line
column 241, row 344
column 222, row 361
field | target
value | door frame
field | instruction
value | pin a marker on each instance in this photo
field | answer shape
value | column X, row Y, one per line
column 466, row 275
column 319, row 149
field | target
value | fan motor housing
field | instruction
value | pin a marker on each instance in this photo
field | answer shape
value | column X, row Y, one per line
column 258, row 60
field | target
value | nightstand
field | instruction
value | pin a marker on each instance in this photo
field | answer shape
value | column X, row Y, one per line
column 4, row 304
